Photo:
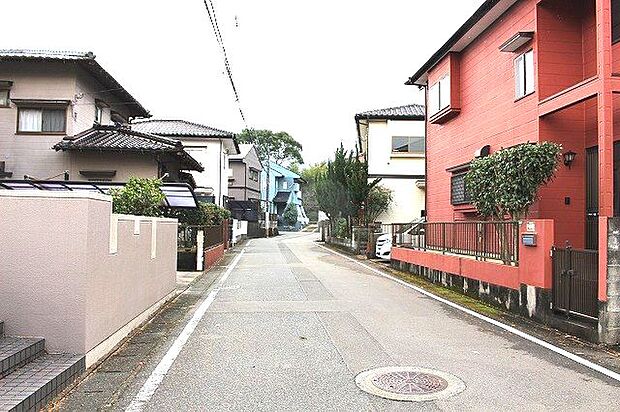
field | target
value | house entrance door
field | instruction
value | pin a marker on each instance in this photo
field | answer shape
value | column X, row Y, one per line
column 592, row 190
column 592, row 198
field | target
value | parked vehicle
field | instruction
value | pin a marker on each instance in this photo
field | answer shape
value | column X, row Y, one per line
column 383, row 246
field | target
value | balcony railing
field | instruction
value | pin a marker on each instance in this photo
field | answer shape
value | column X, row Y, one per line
column 481, row 240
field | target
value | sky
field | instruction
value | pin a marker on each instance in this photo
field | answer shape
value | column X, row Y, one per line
column 304, row 67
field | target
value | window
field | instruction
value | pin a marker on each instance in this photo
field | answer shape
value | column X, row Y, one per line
column 459, row 195
column 615, row 21
column 524, row 74
column 4, row 98
column 42, row 120
column 285, row 185
column 98, row 114
column 254, row 175
column 408, row 144
column 439, row 95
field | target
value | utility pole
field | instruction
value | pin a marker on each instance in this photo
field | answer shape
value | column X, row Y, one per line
column 267, row 213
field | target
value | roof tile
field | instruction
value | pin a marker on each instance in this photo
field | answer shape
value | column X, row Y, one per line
column 408, row 112
column 179, row 128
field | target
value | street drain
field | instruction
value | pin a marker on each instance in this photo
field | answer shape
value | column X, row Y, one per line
column 409, row 384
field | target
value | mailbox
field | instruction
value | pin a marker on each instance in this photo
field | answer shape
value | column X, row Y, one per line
column 528, row 239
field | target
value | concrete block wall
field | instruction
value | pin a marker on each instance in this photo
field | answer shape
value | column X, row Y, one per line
column 76, row 274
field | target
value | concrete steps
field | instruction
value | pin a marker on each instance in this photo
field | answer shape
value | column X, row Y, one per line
column 29, row 377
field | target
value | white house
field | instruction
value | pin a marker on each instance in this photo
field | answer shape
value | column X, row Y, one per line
column 211, row 147
column 392, row 140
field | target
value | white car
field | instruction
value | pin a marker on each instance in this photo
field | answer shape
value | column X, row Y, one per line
column 383, row 247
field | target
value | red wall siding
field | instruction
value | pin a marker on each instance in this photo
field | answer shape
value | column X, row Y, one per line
column 568, row 129
column 566, row 44
column 489, row 113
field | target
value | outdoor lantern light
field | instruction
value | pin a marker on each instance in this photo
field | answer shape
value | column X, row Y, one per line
column 569, row 158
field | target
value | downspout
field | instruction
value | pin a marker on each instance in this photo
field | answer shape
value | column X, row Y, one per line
column 245, row 187
column 425, row 87
column 221, row 198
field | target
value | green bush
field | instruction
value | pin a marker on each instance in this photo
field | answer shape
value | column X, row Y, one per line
column 140, row 197
column 342, row 228
column 290, row 215
column 507, row 182
column 206, row 214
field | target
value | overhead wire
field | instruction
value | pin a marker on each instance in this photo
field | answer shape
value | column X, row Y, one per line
column 220, row 40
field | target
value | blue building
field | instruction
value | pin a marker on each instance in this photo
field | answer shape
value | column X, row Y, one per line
column 284, row 189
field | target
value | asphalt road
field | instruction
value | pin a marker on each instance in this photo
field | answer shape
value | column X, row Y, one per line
column 293, row 324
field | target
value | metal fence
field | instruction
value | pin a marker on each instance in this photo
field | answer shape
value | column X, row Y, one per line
column 575, row 281
column 482, row 240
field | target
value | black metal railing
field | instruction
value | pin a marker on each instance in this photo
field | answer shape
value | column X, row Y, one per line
column 482, row 240
column 575, row 282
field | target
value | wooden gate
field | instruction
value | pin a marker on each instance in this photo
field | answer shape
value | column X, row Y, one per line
column 575, row 282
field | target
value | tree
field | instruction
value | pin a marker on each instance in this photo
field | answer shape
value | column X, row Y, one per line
column 379, row 201
column 358, row 187
column 507, row 182
column 343, row 190
column 140, row 197
column 311, row 176
column 290, row 215
column 280, row 147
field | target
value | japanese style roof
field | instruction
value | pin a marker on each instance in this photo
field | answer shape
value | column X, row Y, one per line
column 174, row 128
column 483, row 18
column 85, row 60
column 124, row 139
column 408, row 112
column 281, row 197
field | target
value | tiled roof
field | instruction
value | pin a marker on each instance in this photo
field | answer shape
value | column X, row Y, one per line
column 408, row 112
column 87, row 61
column 46, row 54
column 180, row 128
column 124, row 139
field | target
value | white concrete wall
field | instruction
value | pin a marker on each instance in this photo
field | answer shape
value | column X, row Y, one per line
column 240, row 230
column 212, row 155
column 408, row 201
column 408, row 198
column 77, row 275
column 381, row 160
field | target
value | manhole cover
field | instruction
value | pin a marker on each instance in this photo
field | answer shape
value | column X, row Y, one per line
column 409, row 384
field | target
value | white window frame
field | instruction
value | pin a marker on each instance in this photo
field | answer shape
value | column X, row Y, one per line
column 98, row 114
column 524, row 74
column 8, row 97
column 396, row 152
column 440, row 95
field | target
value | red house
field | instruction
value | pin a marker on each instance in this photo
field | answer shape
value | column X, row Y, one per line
column 528, row 71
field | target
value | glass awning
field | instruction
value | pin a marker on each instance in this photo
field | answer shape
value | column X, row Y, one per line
column 177, row 195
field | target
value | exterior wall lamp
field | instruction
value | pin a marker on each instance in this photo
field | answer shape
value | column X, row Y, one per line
column 569, row 158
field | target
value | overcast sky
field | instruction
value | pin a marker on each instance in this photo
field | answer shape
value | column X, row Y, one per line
column 305, row 67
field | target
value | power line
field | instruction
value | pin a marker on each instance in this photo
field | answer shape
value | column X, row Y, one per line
column 220, row 41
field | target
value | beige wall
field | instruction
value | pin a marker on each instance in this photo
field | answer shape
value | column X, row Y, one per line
column 126, row 164
column 67, row 277
column 33, row 154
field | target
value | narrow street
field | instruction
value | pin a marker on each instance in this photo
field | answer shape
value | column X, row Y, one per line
column 292, row 325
